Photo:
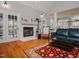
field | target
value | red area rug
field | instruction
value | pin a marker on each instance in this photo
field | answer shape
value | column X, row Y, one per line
column 52, row 52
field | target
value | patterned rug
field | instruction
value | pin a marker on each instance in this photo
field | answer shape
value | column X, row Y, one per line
column 48, row 51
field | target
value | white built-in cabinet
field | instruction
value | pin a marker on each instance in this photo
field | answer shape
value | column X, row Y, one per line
column 9, row 26
column 1, row 26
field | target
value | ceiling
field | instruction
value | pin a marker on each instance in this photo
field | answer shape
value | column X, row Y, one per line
column 44, row 6
column 70, row 12
column 51, row 6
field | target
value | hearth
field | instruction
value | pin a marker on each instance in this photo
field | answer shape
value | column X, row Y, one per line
column 27, row 31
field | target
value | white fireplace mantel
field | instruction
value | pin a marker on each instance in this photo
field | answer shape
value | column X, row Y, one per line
column 28, row 24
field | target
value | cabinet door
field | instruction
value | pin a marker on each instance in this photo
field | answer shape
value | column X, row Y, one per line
column 1, row 25
column 12, row 26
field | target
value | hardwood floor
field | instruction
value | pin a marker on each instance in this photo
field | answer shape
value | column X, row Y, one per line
column 16, row 49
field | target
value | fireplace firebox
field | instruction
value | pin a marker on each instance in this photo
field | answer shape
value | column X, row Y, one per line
column 27, row 31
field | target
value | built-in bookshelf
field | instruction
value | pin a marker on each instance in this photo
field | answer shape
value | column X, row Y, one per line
column 1, row 26
column 12, row 26
column 9, row 27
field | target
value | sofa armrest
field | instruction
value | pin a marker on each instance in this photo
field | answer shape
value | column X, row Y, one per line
column 53, row 34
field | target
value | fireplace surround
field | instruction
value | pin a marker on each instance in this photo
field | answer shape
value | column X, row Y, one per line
column 27, row 31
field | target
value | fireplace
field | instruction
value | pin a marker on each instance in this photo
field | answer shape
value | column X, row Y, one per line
column 27, row 31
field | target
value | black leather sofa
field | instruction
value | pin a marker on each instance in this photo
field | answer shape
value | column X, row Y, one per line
column 71, row 35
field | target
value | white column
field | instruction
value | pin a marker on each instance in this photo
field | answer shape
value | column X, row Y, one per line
column 55, row 21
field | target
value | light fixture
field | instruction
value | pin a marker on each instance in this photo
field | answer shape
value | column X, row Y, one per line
column 5, row 5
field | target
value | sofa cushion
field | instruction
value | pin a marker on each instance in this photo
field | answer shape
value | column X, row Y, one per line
column 76, row 42
column 62, row 32
column 61, row 37
column 74, row 33
column 71, row 39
